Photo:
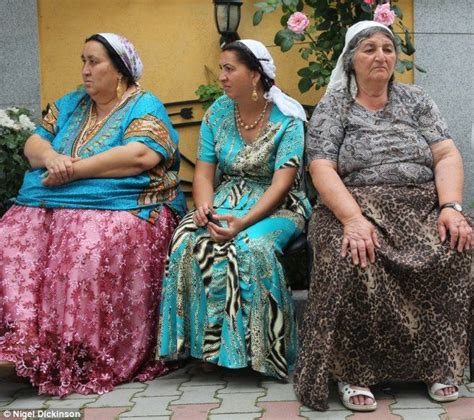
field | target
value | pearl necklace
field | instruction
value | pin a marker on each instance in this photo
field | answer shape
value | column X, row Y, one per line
column 255, row 123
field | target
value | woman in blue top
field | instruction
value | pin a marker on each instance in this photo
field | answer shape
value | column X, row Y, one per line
column 84, row 246
column 225, row 299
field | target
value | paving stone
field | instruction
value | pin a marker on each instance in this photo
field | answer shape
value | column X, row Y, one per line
column 327, row 415
column 75, row 397
column 8, row 389
column 69, row 403
column 464, row 391
column 242, row 383
column 132, row 385
column 198, row 395
column 280, row 410
column 192, row 411
column 102, row 413
column 115, row 398
column 407, row 401
column 420, row 414
column 234, row 416
column 177, row 374
column 33, row 402
column 151, row 406
column 244, row 402
column 162, row 388
column 276, row 391
column 205, row 378
column 461, row 409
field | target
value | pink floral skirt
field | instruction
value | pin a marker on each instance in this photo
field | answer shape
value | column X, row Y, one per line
column 79, row 294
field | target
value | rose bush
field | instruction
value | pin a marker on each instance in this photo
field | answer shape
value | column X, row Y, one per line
column 319, row 26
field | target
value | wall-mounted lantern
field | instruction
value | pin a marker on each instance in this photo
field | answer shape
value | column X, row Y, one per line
column 227, row 16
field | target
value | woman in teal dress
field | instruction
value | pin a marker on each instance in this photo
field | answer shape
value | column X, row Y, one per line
column 225, row 297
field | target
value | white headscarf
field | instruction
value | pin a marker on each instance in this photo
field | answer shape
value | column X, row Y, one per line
column 127, row 53
column 338, row 75
column 286, row 104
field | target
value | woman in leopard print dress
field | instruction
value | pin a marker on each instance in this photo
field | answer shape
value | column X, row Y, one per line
column 391, row 288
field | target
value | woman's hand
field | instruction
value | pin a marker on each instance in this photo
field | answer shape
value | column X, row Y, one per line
column 460, row 232
column 200, row 215
column 60, row 168
column 221, row 234
column 361, row 239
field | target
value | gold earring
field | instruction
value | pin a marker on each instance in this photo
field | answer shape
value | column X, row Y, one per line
column 119, row 90
column 254, row 94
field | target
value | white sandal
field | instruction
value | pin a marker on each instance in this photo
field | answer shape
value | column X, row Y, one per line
column 442, row 398
column 346, row 393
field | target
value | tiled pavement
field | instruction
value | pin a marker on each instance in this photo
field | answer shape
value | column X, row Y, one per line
column 190, row 393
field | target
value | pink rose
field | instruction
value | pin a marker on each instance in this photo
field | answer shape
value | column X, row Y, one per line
column 298, row 22
column 369, row 2
column 384, row 15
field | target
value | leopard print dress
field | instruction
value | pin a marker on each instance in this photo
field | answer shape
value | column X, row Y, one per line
column 408, row 315
column 405, row 317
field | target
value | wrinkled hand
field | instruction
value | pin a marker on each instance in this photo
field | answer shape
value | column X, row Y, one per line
column 60, row 169
column 222, row 234
column 361, row 239
column 200, row 213
column 460, row 232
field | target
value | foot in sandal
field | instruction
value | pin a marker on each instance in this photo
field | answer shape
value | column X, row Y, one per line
column 356, row 398
column 443, row 392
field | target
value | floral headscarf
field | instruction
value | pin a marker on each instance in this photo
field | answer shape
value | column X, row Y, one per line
column 127, row 53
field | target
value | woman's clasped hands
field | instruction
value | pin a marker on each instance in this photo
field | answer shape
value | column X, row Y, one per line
column 218, row 233
column 361, row 240
column 59, row 169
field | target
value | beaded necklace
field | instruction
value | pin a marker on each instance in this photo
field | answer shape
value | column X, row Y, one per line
column 255, row 123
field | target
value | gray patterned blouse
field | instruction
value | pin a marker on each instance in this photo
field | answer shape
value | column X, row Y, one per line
column 391, row 146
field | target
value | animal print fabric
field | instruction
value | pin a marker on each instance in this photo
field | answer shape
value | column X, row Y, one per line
column 405, row 317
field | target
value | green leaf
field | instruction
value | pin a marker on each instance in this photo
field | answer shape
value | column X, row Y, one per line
column 291, row 4
column 410, row 49
column 397, row 11
column 280, row 36
column 366, row 8
column 324, row 25
column 300, row 6
column 257, row 17
column 304, row 72
column 284, row 19
column 286, row 44
column 304, row 85
column 399, row 67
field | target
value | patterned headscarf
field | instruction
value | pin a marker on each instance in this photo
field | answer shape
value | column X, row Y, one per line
column 126, row 52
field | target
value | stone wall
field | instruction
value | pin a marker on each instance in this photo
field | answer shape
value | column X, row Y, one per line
column 19, row 58
column 444, row 37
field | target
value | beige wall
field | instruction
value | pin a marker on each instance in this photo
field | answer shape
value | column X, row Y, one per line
column 175, row 38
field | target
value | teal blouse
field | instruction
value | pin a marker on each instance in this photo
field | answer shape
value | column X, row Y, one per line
column 141, row 118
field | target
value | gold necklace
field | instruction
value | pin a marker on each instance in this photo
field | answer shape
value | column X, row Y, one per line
column 255, row 123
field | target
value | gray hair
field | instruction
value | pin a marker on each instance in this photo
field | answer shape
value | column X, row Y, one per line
column 348, row 58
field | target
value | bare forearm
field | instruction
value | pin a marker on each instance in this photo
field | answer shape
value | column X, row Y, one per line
column 37, row 150
column 272, row 198
column 449, row 178
column 203, row 191
column 119, row 162
column 333, row 192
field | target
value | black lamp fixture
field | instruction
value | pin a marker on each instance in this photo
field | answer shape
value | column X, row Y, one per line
column 227, row 15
